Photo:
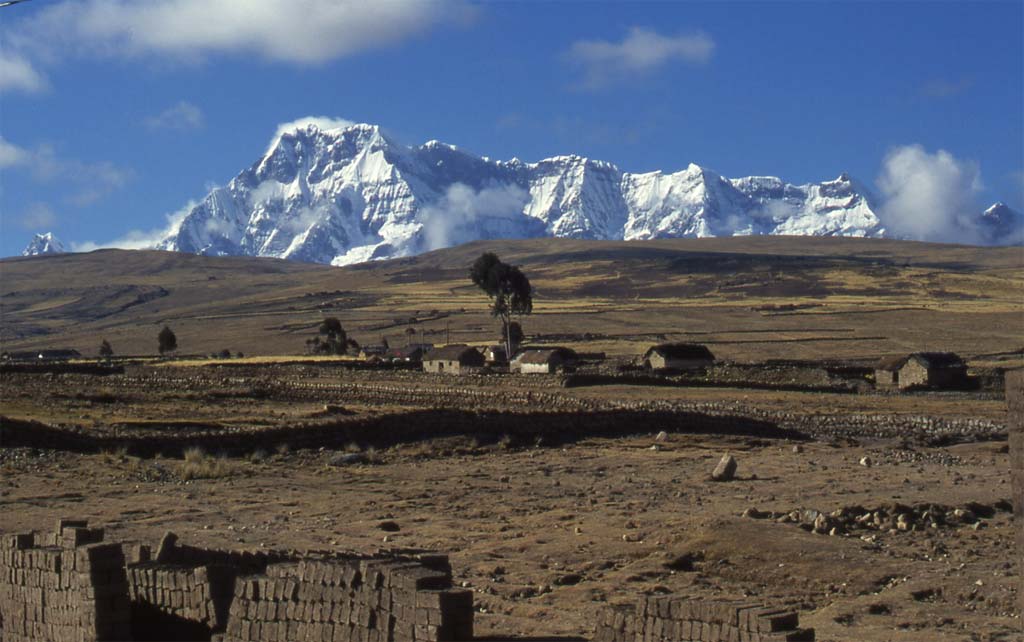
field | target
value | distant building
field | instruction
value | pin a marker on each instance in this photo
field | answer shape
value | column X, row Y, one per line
column 495, row 354
column 921, row 370
column 678, row 356
column 543, row 361
column 453, row 359
column 373, row 351
column 42, row 355
column 412, row 353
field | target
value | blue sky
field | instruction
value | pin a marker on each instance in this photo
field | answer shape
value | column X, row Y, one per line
column 114, row 114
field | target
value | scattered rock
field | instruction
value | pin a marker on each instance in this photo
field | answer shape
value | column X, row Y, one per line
column 569, row 579
column 865, row 461
column 798, row 448
column 726, row 469
column 389, row 526
column 661, row 436
column 685, row 563
column 347, row 459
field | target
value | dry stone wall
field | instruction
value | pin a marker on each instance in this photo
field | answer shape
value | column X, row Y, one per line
column 684, row 619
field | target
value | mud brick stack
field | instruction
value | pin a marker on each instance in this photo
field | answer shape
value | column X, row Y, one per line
column 175, row 592
column 351, row 600
column 64, row 585
column 682, row 619
column 1015, row 402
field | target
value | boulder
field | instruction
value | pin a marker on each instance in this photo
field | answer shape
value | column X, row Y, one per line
column 726, row 469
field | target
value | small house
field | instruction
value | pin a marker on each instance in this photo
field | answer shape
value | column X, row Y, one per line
column 453, row 359
column 409, row 354
column 921, row 370
column 368, row 351
column 495, row 354
column 543, row 361
column 678, row 356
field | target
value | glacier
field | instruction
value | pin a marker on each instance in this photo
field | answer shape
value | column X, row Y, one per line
column 351, row 194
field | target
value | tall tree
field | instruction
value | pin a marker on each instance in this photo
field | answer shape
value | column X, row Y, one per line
column 509, row 289
column 106, row 352
column 336, row 336
column 168, row 342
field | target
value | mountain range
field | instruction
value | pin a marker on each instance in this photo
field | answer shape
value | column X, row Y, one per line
column 349, row 194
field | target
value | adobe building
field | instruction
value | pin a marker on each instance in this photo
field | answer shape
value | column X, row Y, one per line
column 546, row 361
column 453, row 359
column 921, row 370
column 678, row 356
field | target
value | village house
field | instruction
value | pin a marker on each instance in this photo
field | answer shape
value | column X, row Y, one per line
column 495, row 355
column 678, row 356
column 412, row 353
column 376, row 350
column 543, row 361
column 453, row 359
column 921, row 370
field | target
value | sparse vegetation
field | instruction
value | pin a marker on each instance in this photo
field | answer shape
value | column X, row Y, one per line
column 167, row 340
column 106, row 352
column 198, row 464
column 332, row 338
column 509, row 289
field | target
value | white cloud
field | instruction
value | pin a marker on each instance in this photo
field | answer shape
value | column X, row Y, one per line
column 139, row 239
column 930, row 197
column 38, row 217
column 180, row 117
column 86, row 182
column 464, row 214
column 945, row 88
column 322, row 123
column 294, row 31
column 11, row 155
column 18, row 74
column 641, row 51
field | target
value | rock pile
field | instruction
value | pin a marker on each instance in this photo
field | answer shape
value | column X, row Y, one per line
column 892, row 517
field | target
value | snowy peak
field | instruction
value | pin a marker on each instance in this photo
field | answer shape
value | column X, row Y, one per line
column 332, row 191
column 43, row 244
column 1002, row 225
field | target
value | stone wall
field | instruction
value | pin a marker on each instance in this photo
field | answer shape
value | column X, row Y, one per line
column 1015, row 402
column 684, row 619
column 65, row 585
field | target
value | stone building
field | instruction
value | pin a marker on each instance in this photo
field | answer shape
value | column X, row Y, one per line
column 545, row 361
column 453, row 359
column 921, row 370
column 678, row 356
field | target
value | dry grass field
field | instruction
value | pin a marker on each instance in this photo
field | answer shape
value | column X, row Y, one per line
column 553, row 501
column 748, row 299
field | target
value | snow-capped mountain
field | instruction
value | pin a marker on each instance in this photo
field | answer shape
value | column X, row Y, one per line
column 349, row 194
column 1001, row 224
column 43, row 244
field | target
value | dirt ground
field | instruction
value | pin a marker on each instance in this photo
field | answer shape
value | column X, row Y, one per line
column 548, row 535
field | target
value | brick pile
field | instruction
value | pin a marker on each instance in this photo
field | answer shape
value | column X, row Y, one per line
column 65, row 585
column 177, row 593
column 683, row 619
column 352, row 600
